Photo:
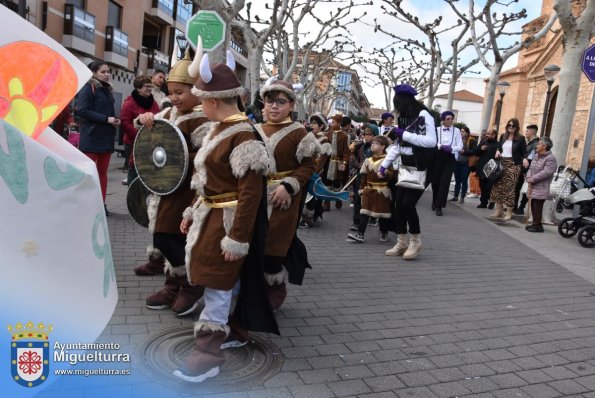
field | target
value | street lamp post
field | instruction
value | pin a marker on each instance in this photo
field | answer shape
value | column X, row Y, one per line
column 182, row 44
column 550, row 73
column 502, row 87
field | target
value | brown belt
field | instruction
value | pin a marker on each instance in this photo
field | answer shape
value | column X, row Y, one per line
column 221, row 201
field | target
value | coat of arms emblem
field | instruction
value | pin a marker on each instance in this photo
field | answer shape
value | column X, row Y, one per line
column 29, row 353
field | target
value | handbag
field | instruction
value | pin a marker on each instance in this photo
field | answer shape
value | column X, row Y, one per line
column 492, row 170
column 412, row 178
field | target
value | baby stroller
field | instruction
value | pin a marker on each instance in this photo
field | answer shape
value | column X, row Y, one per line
column 565, row 182
column 584, row 224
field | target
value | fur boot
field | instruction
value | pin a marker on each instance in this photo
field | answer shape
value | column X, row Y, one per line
column 400, row 247
column 414, row 247
column 499, row 212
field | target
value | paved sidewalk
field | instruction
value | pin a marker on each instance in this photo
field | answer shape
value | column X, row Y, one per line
column 485, row 311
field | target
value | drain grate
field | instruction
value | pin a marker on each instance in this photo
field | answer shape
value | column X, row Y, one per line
column 245, row 367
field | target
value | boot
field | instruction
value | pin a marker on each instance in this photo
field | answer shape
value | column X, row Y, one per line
column 413, row 248
column 166, row 296
column 508, row 215
column 276, row 294
column 399, row 248
column 189, row 297
column 154, row 266
column 206, row 356
column 499, row 211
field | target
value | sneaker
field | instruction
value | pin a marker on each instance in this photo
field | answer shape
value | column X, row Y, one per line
column 233, row 341
column 373, row 222
column 383, row 237
column 482, row 206
column 453, row 199
column 534, row 228
column 125, row 181
column 472, row 195
column 462, row 200
column 353, row 227
column 438, row 211
column 303, row 224
column 356, row 237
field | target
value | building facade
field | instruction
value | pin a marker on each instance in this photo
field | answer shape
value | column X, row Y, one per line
column 526, row 97
column 133, row 36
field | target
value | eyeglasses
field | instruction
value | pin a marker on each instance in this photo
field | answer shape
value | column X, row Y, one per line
column 511, row 125
column 148, row 86
column 279, row 102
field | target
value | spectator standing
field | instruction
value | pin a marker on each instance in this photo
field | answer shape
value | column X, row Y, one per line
column 532, row 140
column 387, row 121
column 486, row 150
column 138, row 102
column 539, row 178
column 95, row 106
column 449, row 147
column 512, row 152
column 361, row 151
column 461, row 170
column 159, row 95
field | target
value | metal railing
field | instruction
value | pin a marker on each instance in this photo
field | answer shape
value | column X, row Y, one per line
column 116, row 41
column 167, row 6
column 79, row 23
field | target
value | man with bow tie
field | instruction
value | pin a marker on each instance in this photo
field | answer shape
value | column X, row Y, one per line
column 450, row 144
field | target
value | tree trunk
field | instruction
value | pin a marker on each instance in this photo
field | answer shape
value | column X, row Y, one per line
column 570, row 74
column 488, row 101
column 453, row 79
column 577, row 34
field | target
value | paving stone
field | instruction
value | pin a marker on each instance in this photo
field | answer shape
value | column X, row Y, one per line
column 319, row 375
column 568, row 387
column 384, row 383
column 534, row 376
column 342, row 388
column 479, row 384
column 540, row 391
column 311, row 390
column 559, row 372
column 418, row 392
column 451, row 389
column 416, row 379
column 508, row 380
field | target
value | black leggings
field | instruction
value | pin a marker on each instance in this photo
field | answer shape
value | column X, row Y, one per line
column 384, row 224
column 173, row 247
column 405, row 213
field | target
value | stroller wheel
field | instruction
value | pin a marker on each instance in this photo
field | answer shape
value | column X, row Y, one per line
column 568, row 227
column 586, row 236
column 559, row 206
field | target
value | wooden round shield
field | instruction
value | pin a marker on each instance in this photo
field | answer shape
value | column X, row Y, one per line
column 161, row 157
column 137, row 201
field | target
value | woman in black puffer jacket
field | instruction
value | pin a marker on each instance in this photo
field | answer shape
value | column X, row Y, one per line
column 95, row 106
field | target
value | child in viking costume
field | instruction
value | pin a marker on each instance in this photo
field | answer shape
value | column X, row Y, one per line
column 165, row 211
column 336, row 172
column 226, row 224
column 291, row 149
column 313, row 209
column 375, row 192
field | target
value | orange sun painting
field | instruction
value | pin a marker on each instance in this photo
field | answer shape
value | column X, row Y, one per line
column 36, row 83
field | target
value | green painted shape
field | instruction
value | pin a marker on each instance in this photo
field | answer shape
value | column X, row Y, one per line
column 103, row 251
column 13, row 164
column 57, row 179
column 209, row 25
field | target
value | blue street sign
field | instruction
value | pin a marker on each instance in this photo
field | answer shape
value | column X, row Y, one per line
column 588, row 65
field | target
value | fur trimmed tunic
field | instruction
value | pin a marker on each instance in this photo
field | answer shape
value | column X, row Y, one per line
column 325, row 151
column 165, row 211
column 230, row 165
column 375, row 192
column 291, row 149
column 340, row 153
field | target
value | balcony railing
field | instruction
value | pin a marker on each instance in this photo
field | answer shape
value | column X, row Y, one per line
column 79, row 23
column 183, row 12
column 239, row 49
column 167, row 6
column 157, row 59
column 116, row 41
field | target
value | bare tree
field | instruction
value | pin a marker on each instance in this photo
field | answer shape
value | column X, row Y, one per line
column 257, row 30
column 312, row 28
column 436, row 64
column 577, row 29
column 495, row 25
